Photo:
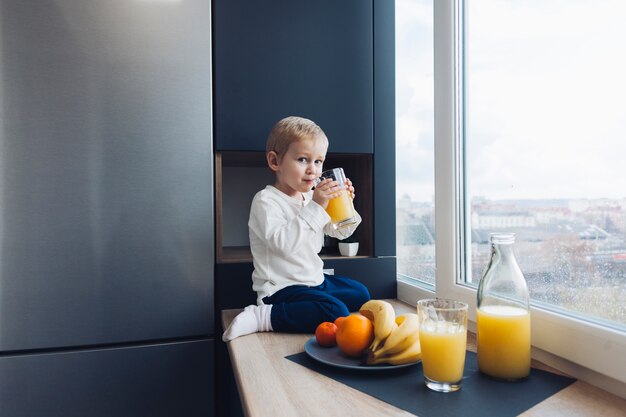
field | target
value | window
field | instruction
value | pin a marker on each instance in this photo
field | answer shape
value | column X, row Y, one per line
column 529, row 121
column 544, row 116
column 415, row 185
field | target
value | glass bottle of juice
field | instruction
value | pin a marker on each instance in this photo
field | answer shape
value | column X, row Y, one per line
column 503, row 314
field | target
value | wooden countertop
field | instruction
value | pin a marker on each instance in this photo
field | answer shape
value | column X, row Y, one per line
column 270, row 385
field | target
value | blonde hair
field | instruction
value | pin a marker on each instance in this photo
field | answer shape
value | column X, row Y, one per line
column 292, row 129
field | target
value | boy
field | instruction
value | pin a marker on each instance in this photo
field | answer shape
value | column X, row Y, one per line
column 287, row 226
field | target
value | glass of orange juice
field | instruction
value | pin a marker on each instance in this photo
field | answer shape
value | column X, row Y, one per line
column 340, row 209
column 443, row 339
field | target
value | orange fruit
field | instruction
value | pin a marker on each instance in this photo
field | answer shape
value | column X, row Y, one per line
column 339, row 320
column 354, row 334
column 325, row 334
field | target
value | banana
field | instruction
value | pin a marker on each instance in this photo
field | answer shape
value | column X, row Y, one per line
column 401, row 338
column 410, row 355
column 383, row 316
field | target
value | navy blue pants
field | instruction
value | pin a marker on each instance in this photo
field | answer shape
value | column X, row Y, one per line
column 299, row 309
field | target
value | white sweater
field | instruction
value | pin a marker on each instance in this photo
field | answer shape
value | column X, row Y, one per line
column 286, row 235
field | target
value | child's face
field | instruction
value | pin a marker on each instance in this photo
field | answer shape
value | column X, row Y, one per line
column 300, row 166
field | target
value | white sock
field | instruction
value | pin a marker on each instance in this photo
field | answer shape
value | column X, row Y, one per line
column 251, row 320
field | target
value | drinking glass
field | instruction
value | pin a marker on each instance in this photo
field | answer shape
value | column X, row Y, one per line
column 443, row 339
column 340, row 209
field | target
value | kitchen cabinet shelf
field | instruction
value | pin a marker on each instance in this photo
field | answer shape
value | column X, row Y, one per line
column 240, row 175
column 240, row 254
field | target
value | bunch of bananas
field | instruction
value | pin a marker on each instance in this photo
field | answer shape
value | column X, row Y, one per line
column 396, row 339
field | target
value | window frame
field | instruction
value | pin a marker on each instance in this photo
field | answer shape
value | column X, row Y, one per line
column 581, row 348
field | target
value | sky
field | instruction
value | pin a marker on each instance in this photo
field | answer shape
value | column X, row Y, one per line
column 546, row 93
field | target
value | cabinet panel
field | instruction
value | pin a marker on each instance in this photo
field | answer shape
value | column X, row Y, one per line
column 385, row 133
column 105, row 172
column 377, row 274
column 233, row 282
column 233, row 288
column 162, row 380
column 299, row 57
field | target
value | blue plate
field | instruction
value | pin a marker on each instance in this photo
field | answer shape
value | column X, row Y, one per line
column 332, row 356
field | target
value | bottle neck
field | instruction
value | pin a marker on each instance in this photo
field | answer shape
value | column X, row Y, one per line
column 503, row 249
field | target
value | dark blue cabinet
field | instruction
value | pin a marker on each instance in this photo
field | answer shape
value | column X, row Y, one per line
column 277, row 58
column 170, row 379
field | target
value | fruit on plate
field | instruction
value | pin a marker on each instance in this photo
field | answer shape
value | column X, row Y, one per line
column 339, row 320
column 396, row 339
column 410, row 355
column 325, row 334
column 354, row 334
column 402, row 345
column 382, row 315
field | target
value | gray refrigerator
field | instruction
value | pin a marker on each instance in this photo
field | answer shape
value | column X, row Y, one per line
column 106, row 208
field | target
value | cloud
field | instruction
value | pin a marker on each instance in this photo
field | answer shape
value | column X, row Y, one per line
column 545, row 100
column 546, row 111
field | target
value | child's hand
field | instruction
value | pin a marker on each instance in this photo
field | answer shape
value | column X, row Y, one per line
column 326, row 191
column 350, row 188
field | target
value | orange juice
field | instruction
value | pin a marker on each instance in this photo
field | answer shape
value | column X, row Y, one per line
column 443, row 352
column 503, row 341
column 340, row 208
